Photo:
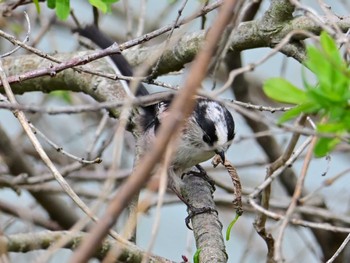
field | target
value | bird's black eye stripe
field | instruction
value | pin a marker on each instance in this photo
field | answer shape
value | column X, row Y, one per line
column 210, row 130
column 207, row 139
column 206, row 124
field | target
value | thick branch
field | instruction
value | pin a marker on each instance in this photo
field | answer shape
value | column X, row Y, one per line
column 252, row 34
column 23, row 243
column 206, row 227
column 249, row 35
column 101, row 89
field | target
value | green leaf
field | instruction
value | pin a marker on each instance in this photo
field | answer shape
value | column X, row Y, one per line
column 51, row 4
column 62, row 9
column 346, row 119
column 330, row 48
column 103, row 5
column 228, row 231
column 338, row 114
column 196, row 256
column 281, row 90
column 308, row 107
column 99, row 4
column 324, row 146
column 318, row 64
column 329, row 98
column 37, row 6
column 319, row 97
column 329, row 67
column 331, row 127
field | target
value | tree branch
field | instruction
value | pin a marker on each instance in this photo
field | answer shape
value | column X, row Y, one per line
column 207, row 227
column 23, row 243
column 248, row 35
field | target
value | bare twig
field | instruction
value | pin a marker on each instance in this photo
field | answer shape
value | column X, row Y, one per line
column 26, row 39
column 167, row 41
column 278, row 256
column 340, row 249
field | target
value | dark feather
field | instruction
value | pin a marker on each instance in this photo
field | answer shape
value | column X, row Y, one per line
column 103, row 41
column 99, row 38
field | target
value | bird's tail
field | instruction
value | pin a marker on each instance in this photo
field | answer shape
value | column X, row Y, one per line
column 99, row 38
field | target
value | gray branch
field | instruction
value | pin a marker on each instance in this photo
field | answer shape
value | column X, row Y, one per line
column 249, row 35
column 23, row 243
column 207, row 227
column 99, row 88
column 252, row 34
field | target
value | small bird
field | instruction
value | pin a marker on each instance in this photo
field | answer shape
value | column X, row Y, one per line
column 209, row 130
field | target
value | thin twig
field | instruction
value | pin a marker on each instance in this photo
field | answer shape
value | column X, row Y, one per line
column 61, row 150
column 26, row 39
column 340, row 249
column 167, row 41
column 278, row 256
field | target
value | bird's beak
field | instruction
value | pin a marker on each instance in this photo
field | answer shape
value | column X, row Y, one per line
column 221, row 154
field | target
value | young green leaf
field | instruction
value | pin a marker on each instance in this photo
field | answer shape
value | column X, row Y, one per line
column 229, row 228
column 308, row 107
column 329, row 98
column 196, row 256
column 51, row 4
column 62, row 9
column 318, row 96
column 330, row 48
column 37, row 6
column 324, row 146
column 281, row 90
column 103, row 5
column 318, row 64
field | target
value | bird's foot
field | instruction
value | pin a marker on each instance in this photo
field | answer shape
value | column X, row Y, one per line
column 197, row 211
column 202, row 174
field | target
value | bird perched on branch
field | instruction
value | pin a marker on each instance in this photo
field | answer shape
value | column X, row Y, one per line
column 209, row 130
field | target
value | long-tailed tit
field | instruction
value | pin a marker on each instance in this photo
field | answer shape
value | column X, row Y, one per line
column 208, row 131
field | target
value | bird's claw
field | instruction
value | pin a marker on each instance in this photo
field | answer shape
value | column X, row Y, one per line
column 202, row 174
column 197, row 211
